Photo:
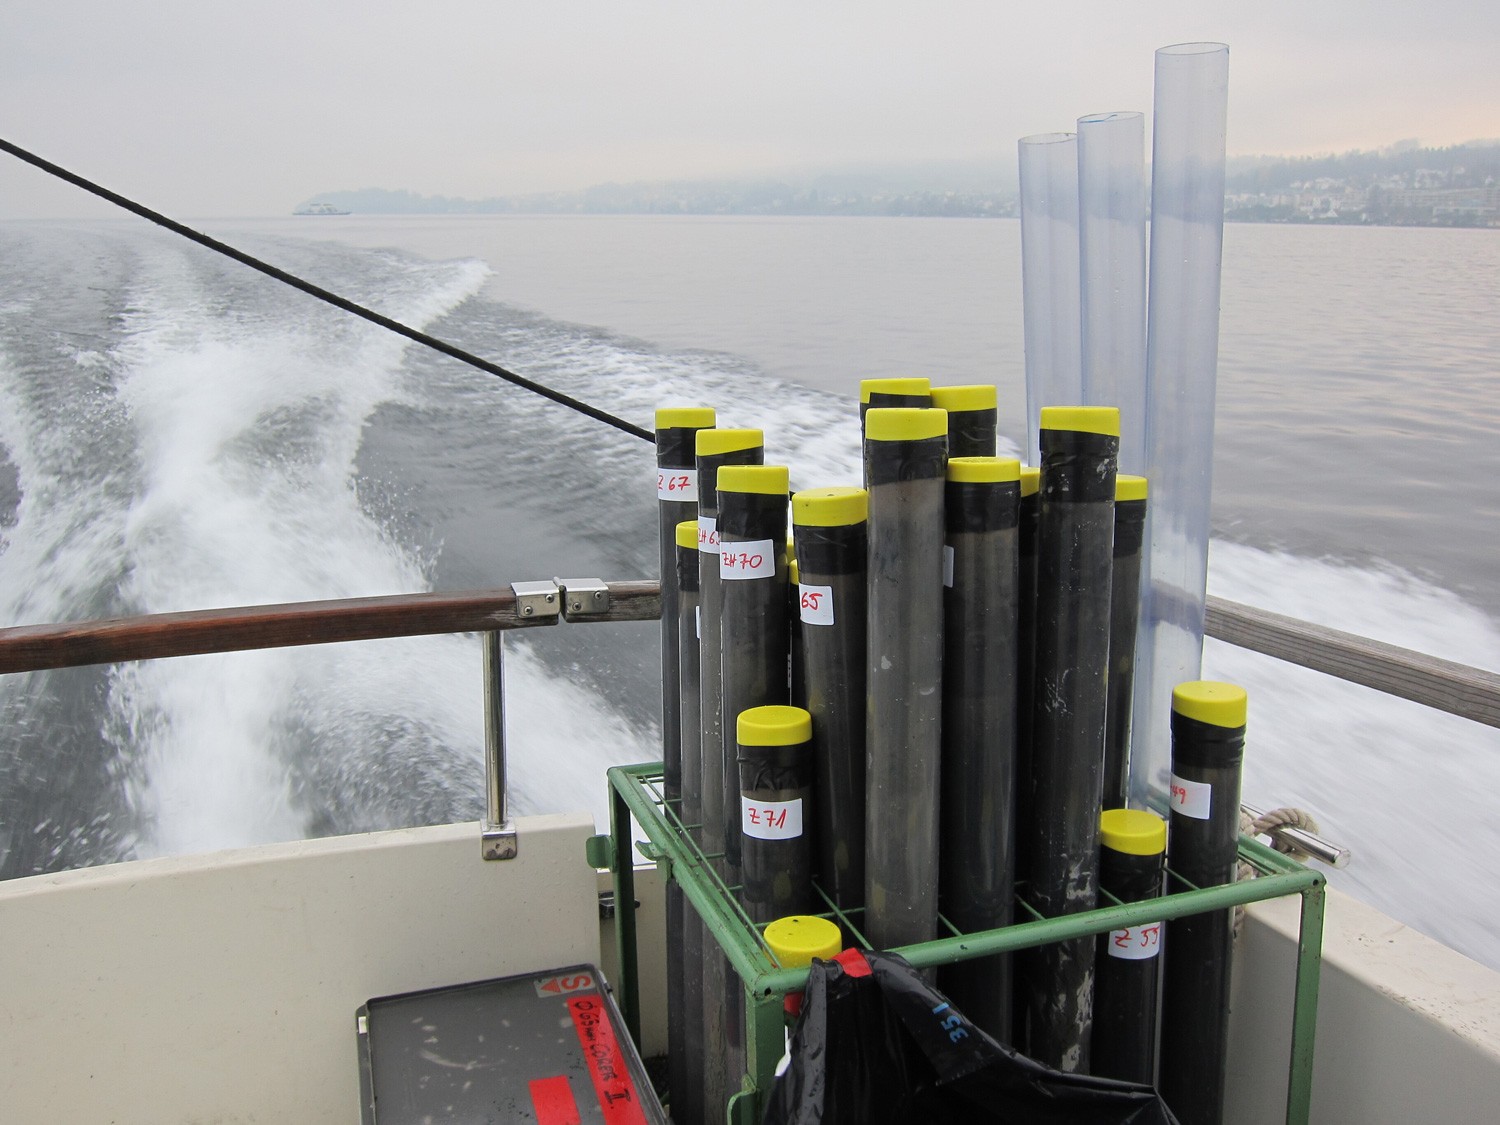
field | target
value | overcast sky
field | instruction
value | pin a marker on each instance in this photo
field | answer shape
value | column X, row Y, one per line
column 214, row 108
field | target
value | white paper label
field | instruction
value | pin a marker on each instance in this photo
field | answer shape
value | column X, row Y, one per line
column 756, row 559
column 771, row 820
column 947, row 566
column 817, row 604
column 1136, row 943
column 1191, row 798
column 677, row 484
column 708, row 534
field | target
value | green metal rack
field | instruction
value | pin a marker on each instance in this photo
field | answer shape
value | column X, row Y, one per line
column 636, row 791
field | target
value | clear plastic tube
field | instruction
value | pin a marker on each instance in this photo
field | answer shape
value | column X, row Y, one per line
column 1182, row 345
column 1112, row 249
column 1049, row 277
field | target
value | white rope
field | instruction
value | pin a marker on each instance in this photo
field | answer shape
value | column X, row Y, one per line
column 1263, row 825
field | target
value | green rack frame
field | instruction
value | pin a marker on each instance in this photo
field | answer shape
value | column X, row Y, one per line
column 636, row 791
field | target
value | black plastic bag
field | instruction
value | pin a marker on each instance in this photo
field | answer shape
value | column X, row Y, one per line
column 877, row 1045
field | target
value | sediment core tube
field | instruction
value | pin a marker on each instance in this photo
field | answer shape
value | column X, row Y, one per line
column 753, row 585
column 906, row 457
column 687, row 1093
column 973, row 418
column 1208, row 747
column 977, row 816
column 776, row 814
column 723, row 1005
column 878, row 394
column 829, row 525
column 677, row 500
column 1075, row 535
column 1132, row 851
column 1124, row 613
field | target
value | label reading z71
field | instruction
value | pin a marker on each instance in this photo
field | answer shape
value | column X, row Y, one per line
column 771, row 820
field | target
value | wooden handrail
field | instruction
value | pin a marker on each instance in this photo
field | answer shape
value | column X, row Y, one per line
column 1446, row 685
column 28, row 648
column 1432, row 681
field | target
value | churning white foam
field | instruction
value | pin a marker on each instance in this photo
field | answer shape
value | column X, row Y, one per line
column 1407, row 789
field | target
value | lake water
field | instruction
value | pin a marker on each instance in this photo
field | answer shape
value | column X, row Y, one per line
column 180, row 433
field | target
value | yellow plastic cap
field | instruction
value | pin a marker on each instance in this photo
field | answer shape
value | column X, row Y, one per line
column 709, row 442
column 1133, row 831
column 905, row 423
column 830, row 507
column 796, row 939
column 687, row 534
column 893, row 387
column 767, row 480
column 1082, row 419
column 1031, row 480
column 975, row 397
column 684, row 417
column 1129, row 487
column 983, row 470
column 1208, row 701
column 793, row 572
column 775, row 725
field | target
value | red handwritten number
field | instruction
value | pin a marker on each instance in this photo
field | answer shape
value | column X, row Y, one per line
column 1150, row 935
column 811, row 599
column 743, row 561
column 1122, row 939
column 1179, row 795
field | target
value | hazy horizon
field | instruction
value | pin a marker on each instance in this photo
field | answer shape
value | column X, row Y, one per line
column 247, row 110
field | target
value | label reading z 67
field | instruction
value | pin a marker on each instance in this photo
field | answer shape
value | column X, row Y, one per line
column 677, row 484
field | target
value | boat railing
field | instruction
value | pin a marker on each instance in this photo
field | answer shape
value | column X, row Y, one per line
column 1472, row 693
column 491, row 613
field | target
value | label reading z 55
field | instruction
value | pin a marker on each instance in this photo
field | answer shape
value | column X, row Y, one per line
column 1135, row 943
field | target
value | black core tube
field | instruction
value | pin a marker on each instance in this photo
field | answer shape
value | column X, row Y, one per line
column 1208, row 747
column 687, row 1093
column 677, row 500
column 1075, row 535
column 906, row 452
column 753, row 584
column 1124, row 614
column 829, row 525
column 1132, row 847
column 881, row 394
column 977, row 816
column 723, row 1009
column 776, row 773
column 1031, row 506
column 973, row 419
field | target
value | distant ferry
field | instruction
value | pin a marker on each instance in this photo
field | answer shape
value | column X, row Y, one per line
column 319, row 209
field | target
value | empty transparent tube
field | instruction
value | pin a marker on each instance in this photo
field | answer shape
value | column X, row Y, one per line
column 1049, row 276
column 1112, row 272
column 1182, row 345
